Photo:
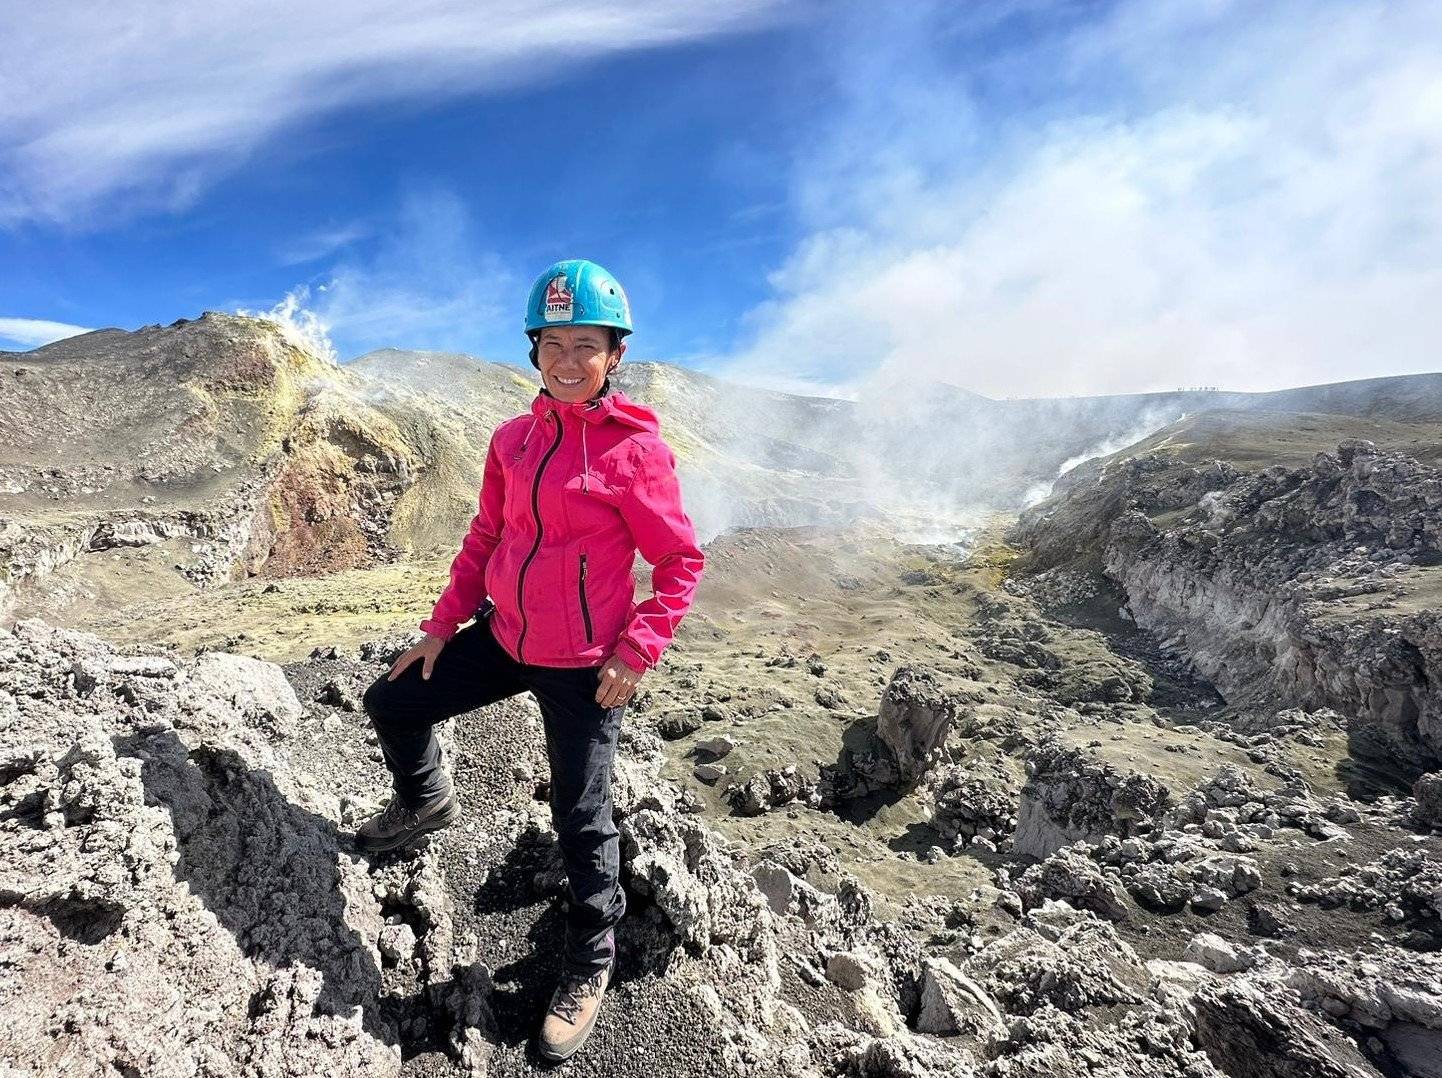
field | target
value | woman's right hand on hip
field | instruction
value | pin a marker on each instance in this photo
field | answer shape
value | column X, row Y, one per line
column 426, row 651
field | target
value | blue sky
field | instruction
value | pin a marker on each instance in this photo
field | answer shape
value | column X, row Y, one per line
column 1022, row 198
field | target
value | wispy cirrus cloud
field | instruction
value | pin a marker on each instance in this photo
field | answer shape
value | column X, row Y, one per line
column 323, row 241
column 1162, row 194
column 426, row 279
column 110, row 107
column 34, row 332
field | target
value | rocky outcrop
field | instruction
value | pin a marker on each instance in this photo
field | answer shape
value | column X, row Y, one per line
column 1427, row 794
column 1248, row 1031
column 772, row 789
column 30, row 550
column 1071, row 797
column 1381, row 992
column 905, row 747
column 1069, row 875
column 177, row 890
column 226, row 444
column 1086, row 966
column 953, row 1003
column 975, row 804
column 1405, row 884
column 1300, row 587
column 916, row 715
column 173, row 896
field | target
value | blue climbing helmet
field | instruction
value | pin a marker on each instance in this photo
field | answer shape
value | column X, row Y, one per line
column 576, row 292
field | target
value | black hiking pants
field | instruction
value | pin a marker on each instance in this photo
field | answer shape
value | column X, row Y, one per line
column 473, row 670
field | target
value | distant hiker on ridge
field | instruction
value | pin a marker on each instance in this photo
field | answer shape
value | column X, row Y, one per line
column 571, row 491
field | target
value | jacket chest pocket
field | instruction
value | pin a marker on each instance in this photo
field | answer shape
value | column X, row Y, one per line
column 591, row 505
column 593, row 486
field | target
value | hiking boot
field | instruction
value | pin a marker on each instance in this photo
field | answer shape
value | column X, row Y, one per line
column 398, row 824
column 574, row 1006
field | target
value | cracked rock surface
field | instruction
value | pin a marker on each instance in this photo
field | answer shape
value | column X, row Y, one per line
column 179, row 890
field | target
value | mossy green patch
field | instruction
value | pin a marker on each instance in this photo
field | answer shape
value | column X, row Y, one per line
column 993, row 560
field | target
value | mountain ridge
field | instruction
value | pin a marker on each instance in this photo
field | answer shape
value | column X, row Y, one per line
column 229, row 449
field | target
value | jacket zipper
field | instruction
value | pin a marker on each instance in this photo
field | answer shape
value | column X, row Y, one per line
column 536, row 513
column 585, row 610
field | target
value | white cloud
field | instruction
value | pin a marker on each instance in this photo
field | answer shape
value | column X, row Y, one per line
column 427, row 281
column 34, row 332
column 320, row 242
column 147, row 100
column 1240, row 195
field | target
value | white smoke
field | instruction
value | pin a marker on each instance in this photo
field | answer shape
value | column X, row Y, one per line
column 1037, row 493
column 299, row 324
column 1148, row 425
column 1214, row 504
column 1151, row 422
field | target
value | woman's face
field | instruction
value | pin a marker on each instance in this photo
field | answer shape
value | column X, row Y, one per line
column 575, row 360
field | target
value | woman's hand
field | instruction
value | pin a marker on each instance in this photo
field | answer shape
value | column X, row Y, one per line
column 426, row 651
column 618, row 682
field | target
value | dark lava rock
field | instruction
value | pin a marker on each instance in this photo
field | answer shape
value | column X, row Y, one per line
column 677, row 725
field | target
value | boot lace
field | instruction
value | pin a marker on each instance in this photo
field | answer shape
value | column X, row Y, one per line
column 396, row 814
column 574, row 990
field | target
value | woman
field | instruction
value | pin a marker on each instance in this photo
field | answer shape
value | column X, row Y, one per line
column 571, row 491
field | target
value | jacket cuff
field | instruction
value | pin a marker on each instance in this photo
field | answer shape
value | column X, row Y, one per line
column 628, row 654
column 444, row 629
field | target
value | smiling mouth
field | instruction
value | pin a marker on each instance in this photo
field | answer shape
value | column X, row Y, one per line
column 568, row 381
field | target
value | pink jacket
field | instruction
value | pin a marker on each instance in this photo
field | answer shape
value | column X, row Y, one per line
column 570, row 493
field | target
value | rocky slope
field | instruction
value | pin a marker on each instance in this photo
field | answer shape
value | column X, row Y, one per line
column 1002, row 845
column 1309, row 587
column 179, row 895
column 173, row 459
column 762, row 458
column 159, row 463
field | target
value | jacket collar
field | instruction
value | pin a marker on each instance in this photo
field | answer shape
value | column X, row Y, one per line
column 609, row 403
column 546, row 402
